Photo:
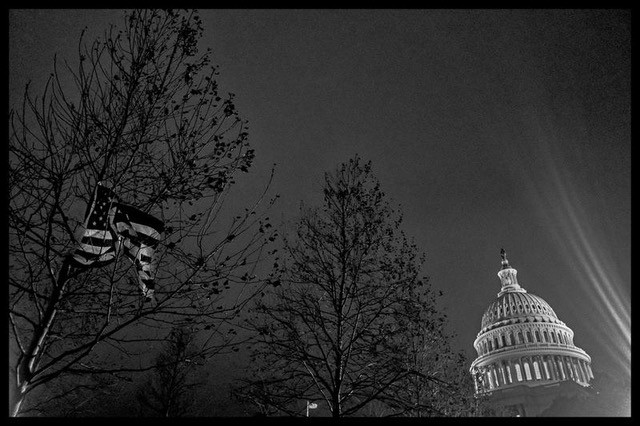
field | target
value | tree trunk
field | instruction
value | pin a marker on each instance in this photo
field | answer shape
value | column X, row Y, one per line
column 29, row 362
column 336, row 412
column 15, row 405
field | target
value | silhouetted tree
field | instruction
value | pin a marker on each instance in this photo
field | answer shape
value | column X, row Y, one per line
column 169, row 392
column 142, row 111
column 438, row 382
column 343, row 328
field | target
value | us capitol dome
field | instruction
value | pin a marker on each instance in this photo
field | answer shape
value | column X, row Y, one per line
column 526, row 355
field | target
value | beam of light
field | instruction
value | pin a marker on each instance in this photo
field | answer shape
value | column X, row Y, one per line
column 581, row 247
column 599, row 275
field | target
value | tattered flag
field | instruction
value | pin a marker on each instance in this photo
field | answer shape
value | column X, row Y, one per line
column 141, row 234
column 108, row 226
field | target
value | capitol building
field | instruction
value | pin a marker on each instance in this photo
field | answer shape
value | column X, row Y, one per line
column 526, row 355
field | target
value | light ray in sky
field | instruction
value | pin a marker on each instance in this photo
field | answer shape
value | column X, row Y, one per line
column 560, row 203
column 600, row 276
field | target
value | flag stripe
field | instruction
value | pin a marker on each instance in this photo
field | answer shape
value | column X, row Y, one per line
column 136, row 216
column 149, row 283
column 147, row 231
column 97, row 242
column 96, row 250
column 137, row 239
column 98, row 233
column 89, row 259
column 138, row 249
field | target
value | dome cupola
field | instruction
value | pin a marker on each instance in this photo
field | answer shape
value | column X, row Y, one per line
column 508, row 276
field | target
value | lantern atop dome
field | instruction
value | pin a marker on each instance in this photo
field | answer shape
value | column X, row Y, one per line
column 508, row 276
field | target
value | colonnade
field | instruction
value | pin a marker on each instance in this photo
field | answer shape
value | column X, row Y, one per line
column 530, row 335
column 530, row 368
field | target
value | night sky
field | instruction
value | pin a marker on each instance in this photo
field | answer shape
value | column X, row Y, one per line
column 490, row 129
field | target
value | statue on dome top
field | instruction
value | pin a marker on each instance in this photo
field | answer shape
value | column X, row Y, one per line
column 505, row 262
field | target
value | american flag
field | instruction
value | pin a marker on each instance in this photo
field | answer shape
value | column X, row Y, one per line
column 110, row 225
column 141, row 234
column 97, row 245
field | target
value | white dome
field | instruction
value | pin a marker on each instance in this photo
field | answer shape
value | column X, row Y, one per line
column 523, row 342
column 513, row 307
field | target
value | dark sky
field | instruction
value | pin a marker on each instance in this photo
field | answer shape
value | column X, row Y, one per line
column 491, row 129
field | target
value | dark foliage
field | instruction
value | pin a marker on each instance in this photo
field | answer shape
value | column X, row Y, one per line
column 142, row 112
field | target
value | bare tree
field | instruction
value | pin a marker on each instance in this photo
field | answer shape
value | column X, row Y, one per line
column 336, row 329
column 437, row 382
column 140, row 110
column 169, row 392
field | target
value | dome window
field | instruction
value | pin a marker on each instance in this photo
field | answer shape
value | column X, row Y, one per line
column 508, row 370
column 518, row 372
column 547, row 374
column 536, row 370
column 527, row 371
column 495, row 376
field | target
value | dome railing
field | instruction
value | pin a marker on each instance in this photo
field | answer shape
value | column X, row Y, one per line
column 529, row 345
